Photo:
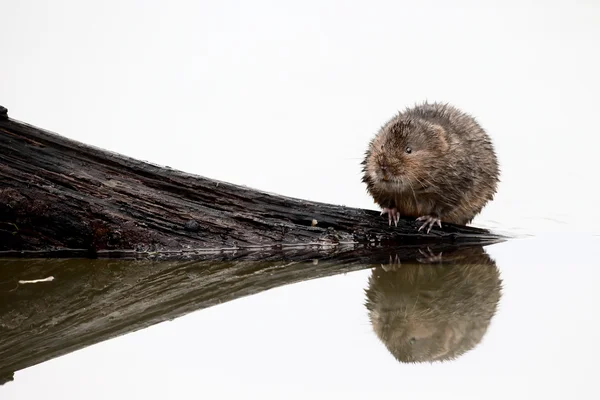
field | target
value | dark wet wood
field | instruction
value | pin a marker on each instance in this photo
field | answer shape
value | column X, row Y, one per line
column 56, row 193
column 89, row 301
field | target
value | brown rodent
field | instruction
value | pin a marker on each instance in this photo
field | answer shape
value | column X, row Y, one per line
column 434, row 312
column 431, row 162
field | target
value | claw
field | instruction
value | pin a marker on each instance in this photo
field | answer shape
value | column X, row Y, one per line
column 430, row 221
column 393, row 215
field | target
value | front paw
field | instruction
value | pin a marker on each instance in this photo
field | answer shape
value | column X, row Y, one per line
column 429, row 221
column 393, row 215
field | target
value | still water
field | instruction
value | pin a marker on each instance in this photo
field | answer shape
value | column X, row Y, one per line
column 511, row 320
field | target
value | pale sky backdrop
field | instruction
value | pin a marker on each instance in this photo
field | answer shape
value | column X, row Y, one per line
column 284, row 96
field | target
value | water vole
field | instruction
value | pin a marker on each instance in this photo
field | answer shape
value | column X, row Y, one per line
column 432, row 162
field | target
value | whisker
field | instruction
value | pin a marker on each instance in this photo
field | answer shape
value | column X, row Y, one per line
column 413, row 191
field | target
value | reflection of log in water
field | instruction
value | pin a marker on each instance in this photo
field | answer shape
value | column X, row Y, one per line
column 90, row 301
column 434, row 312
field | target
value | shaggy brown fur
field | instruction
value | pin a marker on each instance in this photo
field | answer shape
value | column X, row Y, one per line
column 434, row 162
column 434, row 312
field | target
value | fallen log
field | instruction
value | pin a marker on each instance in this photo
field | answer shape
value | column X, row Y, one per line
column 67, row 199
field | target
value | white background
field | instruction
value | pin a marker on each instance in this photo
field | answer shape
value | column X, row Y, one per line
column 284, row 97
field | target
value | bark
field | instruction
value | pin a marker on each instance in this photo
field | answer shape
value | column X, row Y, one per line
column 64, row 198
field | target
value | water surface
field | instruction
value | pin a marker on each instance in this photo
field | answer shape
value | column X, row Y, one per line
column 315, row 338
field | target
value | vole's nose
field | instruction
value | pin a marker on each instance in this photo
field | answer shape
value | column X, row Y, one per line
column 384, row 171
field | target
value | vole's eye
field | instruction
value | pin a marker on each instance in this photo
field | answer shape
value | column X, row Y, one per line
column 412, row 341
column 408, row 150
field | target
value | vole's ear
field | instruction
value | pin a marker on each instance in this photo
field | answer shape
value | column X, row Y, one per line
column 440, row 132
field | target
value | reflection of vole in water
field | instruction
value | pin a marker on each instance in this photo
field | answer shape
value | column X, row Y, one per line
column 432, row 162
column 434, row 312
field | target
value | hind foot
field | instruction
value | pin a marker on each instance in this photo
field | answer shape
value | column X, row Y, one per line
column 393, row 215
column 430, row 221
